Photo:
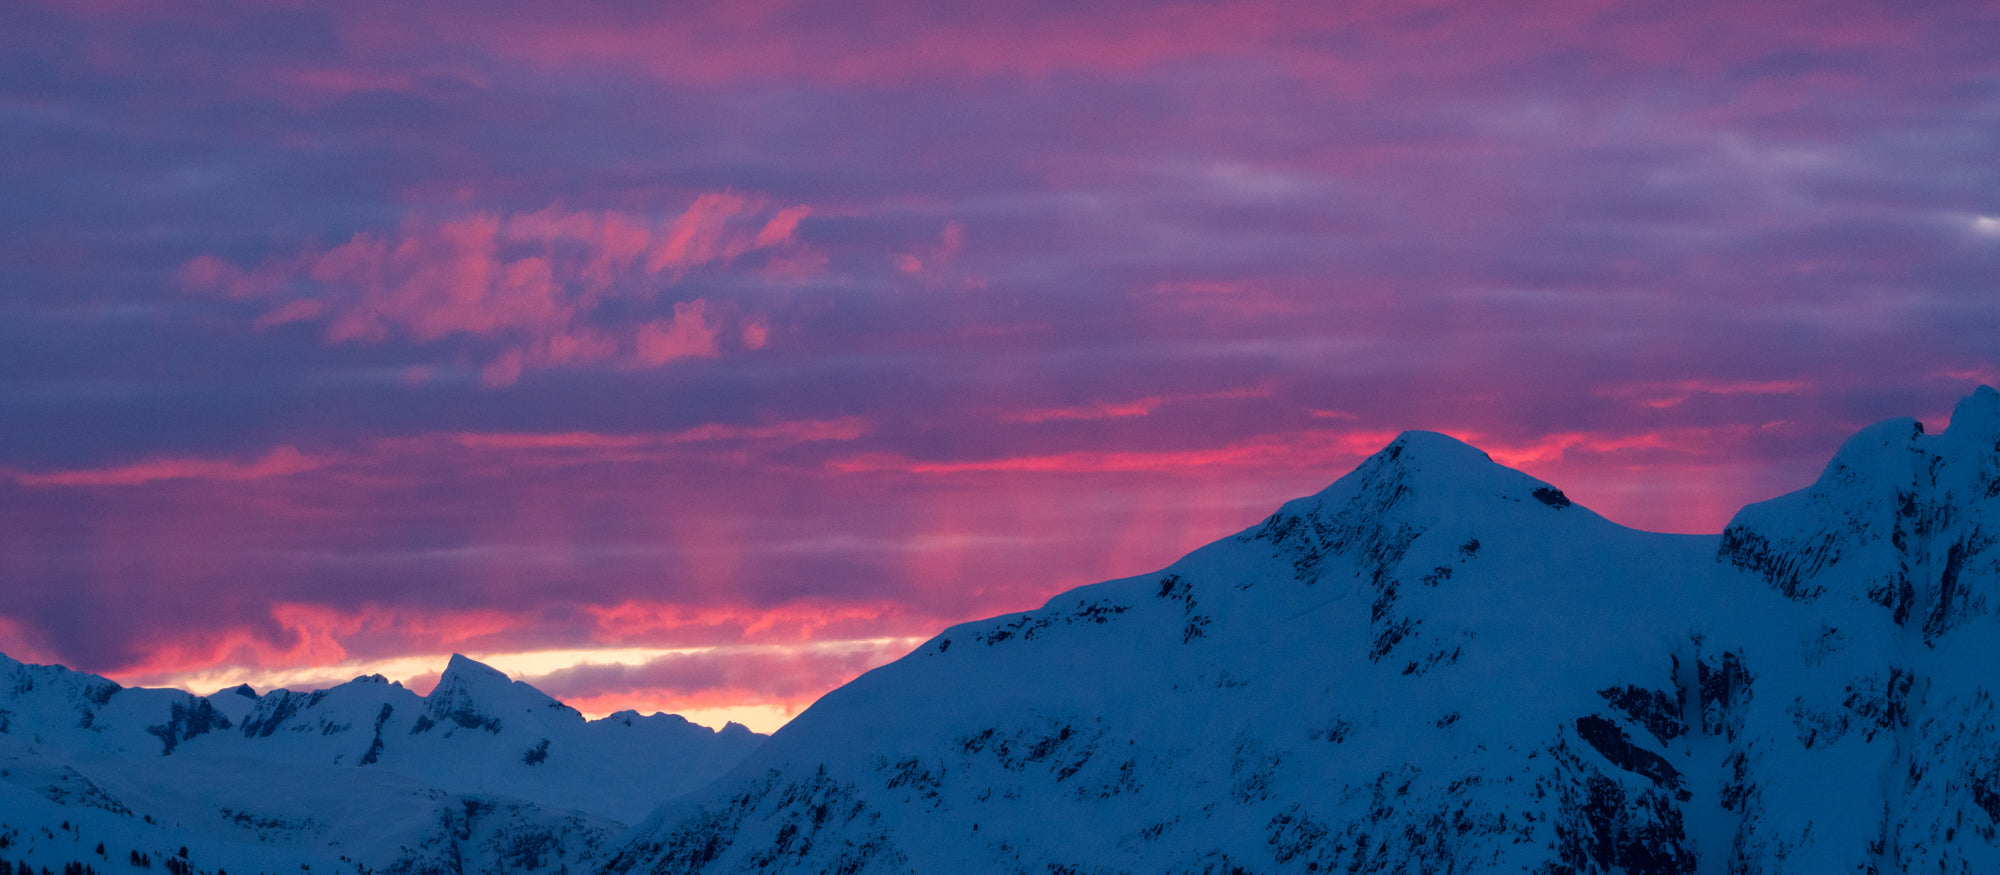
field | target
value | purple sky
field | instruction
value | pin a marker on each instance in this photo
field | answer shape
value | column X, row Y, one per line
column 730, row 350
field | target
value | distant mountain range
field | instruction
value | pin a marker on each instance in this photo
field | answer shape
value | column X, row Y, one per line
column 483, row 775
column 1437, row 664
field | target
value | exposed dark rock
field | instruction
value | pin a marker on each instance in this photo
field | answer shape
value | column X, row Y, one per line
column 1657, row 710
column 1551, row 496
column 1615, row 745
column 187, row 720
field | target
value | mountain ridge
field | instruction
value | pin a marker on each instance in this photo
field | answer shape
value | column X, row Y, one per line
column 1436, row 665
column 363, row 776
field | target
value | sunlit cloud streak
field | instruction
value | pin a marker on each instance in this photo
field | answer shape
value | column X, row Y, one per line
column 279, row 462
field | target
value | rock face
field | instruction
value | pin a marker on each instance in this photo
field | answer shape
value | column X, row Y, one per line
column 1439, row 665
column 1874, row 747
column 484, row 775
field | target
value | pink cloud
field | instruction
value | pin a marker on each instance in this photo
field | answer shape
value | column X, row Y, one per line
column 936, row 257
column 703, row 234
column 24, row 642
column 214, row 275
column 1326, row 449
column 1679, row 479
column 280, row 462
column 798, row 431
column 1125, row 409
column 688, row 335
column 305, row 636
column 534, row 282
column 299, row 310
column 502, row 371
column 1098, row 410
column 431, row 451
column 571, row 440
column 1553, row 447
column 1670, row 393
column 781, row 226
column 898, row 44
column 1234, row 301
column 846, row 428
column 1981, row 375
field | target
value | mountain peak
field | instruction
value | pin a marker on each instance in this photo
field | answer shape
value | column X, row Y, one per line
column 464, row 669
column 1976, row 416
column 1440, row 446
column 475, row 695
column 466, row 694
column 1433, row 454
column 1425, row 474
column 1895, row 520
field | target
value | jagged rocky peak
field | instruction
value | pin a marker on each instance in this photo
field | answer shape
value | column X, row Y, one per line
column 328, row 780
column 50, row 693
column 25, row 677
column 464, row 672
column 473, row 695
column 1900, row 519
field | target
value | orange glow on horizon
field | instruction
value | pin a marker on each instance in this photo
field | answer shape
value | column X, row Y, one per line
column 759, row 685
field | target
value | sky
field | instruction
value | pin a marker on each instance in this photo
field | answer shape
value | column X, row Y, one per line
column 699, row 357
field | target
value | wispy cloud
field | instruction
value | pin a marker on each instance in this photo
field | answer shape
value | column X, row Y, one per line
column 279, row 462
column 1124, row 409
column 1669, row 393
column 1305, row 449
column 536, row 283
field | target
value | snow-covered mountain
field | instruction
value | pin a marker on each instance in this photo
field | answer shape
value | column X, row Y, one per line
column 1439, row 664
column 483, row 775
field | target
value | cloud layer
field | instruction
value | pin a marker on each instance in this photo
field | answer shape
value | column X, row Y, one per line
column 537, row 283
column 349, row 335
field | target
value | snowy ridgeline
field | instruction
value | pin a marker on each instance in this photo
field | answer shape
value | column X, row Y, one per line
column 1439, row 665
column 483, row 775
column 1436, row 665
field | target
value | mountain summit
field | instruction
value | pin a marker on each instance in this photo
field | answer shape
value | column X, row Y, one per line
column 1439, row 664
column 473, row 695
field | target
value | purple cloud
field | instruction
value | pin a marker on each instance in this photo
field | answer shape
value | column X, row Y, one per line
column 320, row 319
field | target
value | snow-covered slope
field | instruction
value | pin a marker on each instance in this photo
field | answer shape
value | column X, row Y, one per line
column 1865, row 737
column 483, row 775
column 1439, row 665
